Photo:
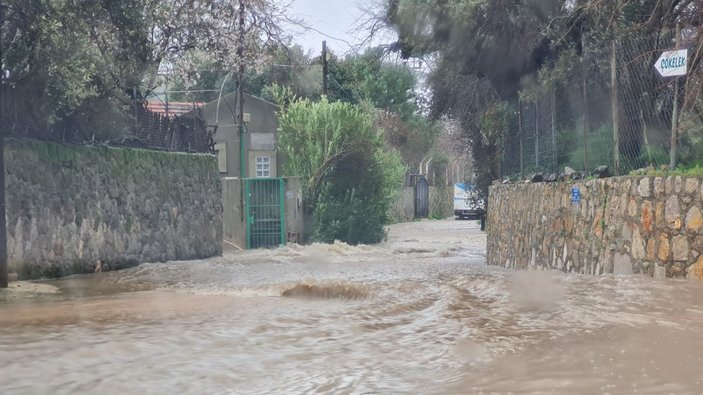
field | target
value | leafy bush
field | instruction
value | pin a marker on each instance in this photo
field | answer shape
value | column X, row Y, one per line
column 600, row 148
column 691, row 139
column 349, row 174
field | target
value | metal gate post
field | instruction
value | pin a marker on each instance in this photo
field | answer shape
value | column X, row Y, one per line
column 282, row 204
column 247, row 209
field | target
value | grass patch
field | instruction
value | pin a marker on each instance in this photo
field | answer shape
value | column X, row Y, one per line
column 685, row 171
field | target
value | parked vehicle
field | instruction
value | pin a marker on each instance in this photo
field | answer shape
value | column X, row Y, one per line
column 468, row 204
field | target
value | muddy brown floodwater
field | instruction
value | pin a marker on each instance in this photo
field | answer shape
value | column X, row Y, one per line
column 420, row 313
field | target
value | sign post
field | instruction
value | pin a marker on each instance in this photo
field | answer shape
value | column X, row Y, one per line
column 673, row 64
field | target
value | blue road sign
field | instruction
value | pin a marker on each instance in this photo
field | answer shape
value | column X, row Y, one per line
column 575, row 195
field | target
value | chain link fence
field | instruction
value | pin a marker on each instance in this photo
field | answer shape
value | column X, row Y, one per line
column 608, row 107
column 152, row 127
column 136, row 124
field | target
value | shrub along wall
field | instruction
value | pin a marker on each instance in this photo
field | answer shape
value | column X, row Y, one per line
column 69, row 207
column 650, row 225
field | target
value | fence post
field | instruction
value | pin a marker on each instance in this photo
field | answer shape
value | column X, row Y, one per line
column 537, row 134
column 136, row 113
column 554, row 130
column 240, row 93
column 675, row 112
column 586, row 115
column 522, row 148
column 644, row 132
column 166, row 104
column 615, row 109
column 3, row 130
column 674, row 125
column 3, row 228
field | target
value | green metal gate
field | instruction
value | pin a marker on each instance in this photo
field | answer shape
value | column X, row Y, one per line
column 263, row 202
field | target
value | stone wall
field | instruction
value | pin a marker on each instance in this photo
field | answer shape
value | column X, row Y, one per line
column 234, row 229
column 402, row 209
column 650, row 225
column 71, row 206
column 441, row 201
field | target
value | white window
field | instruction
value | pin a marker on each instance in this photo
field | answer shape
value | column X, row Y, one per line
column 263, row 167
column 221, row 152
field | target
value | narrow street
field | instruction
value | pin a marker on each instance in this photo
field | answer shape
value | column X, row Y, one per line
column 419, row 313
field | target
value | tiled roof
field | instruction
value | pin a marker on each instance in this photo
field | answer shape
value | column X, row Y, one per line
column 174, row 108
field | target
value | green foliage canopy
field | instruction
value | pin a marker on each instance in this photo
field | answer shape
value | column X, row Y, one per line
column 349, row 176
column 66, row 64
column 491, row 52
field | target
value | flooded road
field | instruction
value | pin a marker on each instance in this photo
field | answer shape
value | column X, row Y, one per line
column 420, row 313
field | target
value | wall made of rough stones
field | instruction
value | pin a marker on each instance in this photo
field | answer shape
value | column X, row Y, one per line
column 401, row 208
column 649, row 225
column 71, row 206
column 441, row 202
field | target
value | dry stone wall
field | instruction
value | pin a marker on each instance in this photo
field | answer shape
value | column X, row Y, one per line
column 402, row 208
column 69, row 207
column 649, row 225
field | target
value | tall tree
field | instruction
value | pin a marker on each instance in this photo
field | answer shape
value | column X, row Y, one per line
column 490, row 51
column 67, row 64
column 72, row 65
column 175, row 27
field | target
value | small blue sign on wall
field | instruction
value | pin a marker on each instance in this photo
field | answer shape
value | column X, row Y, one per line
column 575, row 195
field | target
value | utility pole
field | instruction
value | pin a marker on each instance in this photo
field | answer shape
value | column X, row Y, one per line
column 240, row 92
column 3, row 132
column 675, row 113
column 325, row 69
column 166, row 104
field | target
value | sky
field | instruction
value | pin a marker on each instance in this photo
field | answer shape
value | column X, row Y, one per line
column 338, row 18
column 335, row 18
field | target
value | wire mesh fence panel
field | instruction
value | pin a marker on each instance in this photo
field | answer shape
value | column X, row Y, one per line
column 611, row 109
column 131, row 125
column 186, row 133
column 645, row 102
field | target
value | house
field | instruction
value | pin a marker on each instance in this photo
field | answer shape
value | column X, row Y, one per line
column 261, row 207
column 171, row 109
column 258, row 143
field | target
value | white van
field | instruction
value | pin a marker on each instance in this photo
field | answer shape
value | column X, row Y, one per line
column 467, row 203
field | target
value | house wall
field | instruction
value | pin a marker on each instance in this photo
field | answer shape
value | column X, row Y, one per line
column 229, row 135
column 262, row 121
column 402, row 209
column 234, row 229
column 294, row 220
column 649, row 225
column 262, row 115
column 441, row 202
column 252, row 163
column 71, row 206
